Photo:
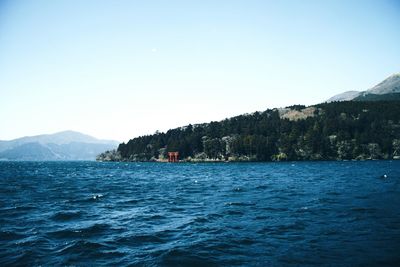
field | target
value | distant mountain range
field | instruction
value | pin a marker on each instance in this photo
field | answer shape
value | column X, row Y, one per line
column 66, row 145
column 388, row 89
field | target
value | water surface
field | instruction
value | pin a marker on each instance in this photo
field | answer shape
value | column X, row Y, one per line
column 151, row 214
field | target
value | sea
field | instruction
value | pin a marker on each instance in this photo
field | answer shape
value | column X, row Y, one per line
column 208, row 214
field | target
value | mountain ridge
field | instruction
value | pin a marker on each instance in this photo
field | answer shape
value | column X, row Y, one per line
column 390, row 85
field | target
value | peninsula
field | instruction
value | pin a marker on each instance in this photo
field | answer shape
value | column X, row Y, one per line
column 348, row 130
column 355, row 125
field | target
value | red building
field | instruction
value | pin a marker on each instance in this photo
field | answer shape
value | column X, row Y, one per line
column 173, row 156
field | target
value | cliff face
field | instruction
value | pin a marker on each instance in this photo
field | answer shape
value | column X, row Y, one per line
column 329, row 131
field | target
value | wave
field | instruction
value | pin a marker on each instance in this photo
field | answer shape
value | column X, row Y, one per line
column 67, row 215
column 71, row 233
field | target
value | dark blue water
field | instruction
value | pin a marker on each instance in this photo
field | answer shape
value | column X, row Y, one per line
column 276, row 214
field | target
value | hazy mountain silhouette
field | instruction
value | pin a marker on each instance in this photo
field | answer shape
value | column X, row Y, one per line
column 66, row 145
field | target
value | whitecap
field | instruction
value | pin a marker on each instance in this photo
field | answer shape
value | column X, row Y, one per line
column 97, row 196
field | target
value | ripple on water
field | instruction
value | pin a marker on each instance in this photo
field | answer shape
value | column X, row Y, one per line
column 185, row 257
column 83, row 251
column 72, row 233
column 67, row 215
column 10, row 235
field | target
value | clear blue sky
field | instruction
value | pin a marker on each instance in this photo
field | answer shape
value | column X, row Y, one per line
column 119, row 69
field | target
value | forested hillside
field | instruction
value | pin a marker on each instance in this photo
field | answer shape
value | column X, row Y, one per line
column 329, row 131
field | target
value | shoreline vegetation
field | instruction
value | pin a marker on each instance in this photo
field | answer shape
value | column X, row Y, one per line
column 348, row 130
column 240, row 160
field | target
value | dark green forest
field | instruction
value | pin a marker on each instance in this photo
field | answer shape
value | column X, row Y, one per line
column 329, row 131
